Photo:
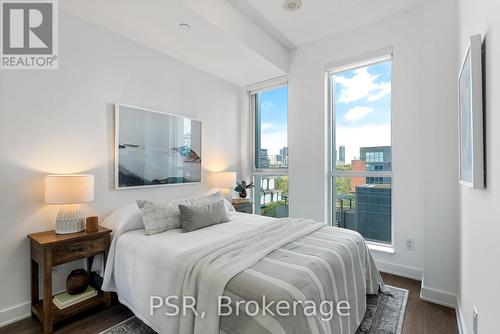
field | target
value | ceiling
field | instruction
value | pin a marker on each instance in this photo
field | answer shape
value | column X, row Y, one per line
column 318, row 19
column 227, row 45
column 240, row 41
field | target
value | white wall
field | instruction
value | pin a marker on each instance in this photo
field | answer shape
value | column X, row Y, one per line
column 440, row 144
column 308, row 129
column 424, row 138
column 61, row 121
column 480, row 209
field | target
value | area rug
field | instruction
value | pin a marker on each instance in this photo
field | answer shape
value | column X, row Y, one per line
column 384, row 315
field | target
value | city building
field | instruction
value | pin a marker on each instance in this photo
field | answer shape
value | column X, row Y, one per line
column 341, row 155
column 373, row 211
column 264, row 161
column 284, row 156
column 378, row 159
column 275, row 161
column 357, row 166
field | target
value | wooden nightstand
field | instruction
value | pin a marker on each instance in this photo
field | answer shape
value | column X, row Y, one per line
column 49, row 249
column 244, row 207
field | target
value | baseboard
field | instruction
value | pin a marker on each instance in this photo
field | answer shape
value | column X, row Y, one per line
column 15, row 313
column 462, row 328
column 438, row 297
column 399, row 270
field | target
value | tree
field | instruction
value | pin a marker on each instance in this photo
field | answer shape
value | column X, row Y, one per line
column 343, row 185
column 282, row 184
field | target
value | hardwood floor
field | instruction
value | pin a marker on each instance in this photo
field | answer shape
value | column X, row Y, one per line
column 421, row 317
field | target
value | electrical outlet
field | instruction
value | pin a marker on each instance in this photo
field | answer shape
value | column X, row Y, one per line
column 410, row 244
column 474, row 320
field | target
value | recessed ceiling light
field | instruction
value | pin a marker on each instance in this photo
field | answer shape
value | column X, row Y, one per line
column 184, row 26
column 292, row 5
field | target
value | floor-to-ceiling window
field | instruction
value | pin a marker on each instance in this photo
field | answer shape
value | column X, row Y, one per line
column 270, row 113
column 361, row 151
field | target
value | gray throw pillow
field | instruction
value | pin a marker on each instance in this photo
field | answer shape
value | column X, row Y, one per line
column 194, row 218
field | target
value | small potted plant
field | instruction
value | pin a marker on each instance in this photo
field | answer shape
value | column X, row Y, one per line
column 242, row 187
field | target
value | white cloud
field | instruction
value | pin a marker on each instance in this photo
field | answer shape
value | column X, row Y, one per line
column 354, row 137
column 266, row 126
column 385, row 89
column 266, row 106
column 357, row 113
column 360, row 86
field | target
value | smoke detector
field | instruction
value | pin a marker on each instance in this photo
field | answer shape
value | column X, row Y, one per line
column 292, row 5
column 184, row 26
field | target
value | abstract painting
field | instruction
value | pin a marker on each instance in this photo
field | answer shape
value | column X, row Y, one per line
column 154, row 148
column 472, row 173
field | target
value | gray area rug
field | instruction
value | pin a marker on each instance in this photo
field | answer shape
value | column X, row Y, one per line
column 384, row 315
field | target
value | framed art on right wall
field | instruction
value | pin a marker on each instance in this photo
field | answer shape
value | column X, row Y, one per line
column 471, row 140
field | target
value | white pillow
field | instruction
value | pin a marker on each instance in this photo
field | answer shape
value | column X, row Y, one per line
column 163, row 216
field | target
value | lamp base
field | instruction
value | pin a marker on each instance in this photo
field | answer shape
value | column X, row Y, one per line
column 70, row 219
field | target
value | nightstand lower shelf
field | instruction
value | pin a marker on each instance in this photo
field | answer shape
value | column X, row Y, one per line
column 59, row 315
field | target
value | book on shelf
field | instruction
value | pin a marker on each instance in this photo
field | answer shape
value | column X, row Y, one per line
column 64, row 299
column 241, row 200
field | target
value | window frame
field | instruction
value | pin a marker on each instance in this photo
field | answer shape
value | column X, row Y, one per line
column 252, row 94
column 367, row 59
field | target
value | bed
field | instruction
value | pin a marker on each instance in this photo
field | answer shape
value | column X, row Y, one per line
column 295, row 260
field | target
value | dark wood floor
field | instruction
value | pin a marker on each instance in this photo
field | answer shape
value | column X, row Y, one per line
column 421, row 317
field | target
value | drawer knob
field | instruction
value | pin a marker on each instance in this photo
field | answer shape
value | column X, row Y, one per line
column 80, row 249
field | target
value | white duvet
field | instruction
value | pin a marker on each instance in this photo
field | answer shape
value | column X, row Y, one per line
column 140, row 266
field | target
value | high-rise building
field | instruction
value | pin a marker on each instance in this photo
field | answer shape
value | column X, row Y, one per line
column 377, row 159
column 275, row 160
column 341, row 157
column 373, row 211
column 284, row 156
column 264, row 158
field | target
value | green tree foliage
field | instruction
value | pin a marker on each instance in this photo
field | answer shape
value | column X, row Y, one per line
column 282, row 183
column 343, row 185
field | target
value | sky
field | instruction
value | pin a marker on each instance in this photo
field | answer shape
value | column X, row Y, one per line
column 362, row 111
column 274, row 119
column 362, row 101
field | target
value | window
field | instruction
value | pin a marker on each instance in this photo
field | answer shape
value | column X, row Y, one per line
column 361, row 151
column 270, row 110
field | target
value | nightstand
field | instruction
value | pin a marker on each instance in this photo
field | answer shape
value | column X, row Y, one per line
column 244, row 207
column 49, row 249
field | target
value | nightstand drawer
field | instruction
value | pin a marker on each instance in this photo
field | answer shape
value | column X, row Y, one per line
column 77, row 250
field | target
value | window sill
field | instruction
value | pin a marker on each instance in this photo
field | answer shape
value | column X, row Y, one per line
column 376, row 247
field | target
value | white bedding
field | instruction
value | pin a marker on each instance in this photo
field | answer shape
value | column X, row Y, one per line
column 139, row 266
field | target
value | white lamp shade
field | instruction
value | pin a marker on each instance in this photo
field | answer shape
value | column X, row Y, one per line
column 69, row 189
column 222, row 179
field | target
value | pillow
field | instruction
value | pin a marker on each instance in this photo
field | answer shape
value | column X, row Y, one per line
column 159, row 217
column 194, row 218
column 163, row 216
column 215, row 197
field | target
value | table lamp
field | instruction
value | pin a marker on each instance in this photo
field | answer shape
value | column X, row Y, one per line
column 68, row 191
column 223, row 180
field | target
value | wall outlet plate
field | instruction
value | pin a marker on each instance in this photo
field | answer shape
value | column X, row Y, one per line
column 474, row 320
column 410, row 244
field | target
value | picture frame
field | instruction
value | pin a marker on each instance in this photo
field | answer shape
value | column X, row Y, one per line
column 154, row 148
column 471, row 136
